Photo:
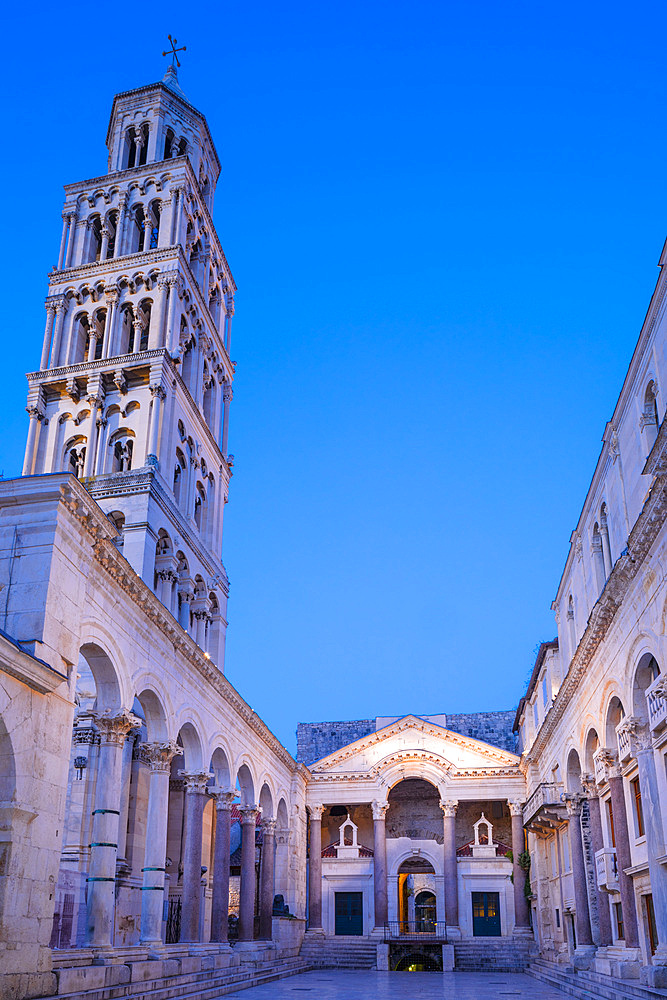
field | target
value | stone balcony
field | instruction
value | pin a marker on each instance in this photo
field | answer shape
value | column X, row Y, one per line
column 624, row 742
column 656, row 699
column 606, row 868
column 544, row 809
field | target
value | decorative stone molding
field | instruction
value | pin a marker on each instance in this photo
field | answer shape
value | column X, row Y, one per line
column 449, row 807
column 316, row 810
column 113, row 729
column 573, row 803
column 637, row 733
column 249, row 815
column 195, row 781
column 120, row 381
column 379, row 809
column 268, row 827
column 516, row 808
column 224, row 798
column 159, row 755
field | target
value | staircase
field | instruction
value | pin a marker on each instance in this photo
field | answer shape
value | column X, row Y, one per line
column 341, row 952
column 493, row 954
column 587, row 985
column 207, row 984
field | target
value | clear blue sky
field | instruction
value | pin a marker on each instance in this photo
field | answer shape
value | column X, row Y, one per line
column 444, row 220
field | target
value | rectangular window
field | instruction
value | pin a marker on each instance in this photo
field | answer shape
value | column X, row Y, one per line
column 649, row 916
column 557, row 918
column 618, row 913
column 639, row 812
column 565, row 840
column 610, row 821
column 554, row 859
column 545, row 695
column 536, row 716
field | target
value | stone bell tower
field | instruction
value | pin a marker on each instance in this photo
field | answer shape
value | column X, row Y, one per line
column 135, row 380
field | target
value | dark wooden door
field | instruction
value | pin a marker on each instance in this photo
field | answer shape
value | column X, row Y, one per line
column 349, row 913
column 486, row 914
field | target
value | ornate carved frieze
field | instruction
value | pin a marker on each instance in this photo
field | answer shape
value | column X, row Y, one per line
column 159, row 755
column 114, row 728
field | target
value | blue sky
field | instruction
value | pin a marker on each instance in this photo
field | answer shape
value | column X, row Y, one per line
column 444, row 220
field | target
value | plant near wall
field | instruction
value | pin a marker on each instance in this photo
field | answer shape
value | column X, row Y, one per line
column 524, row 864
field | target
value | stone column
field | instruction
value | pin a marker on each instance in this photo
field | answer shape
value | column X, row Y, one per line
column 101, row 880
column 104, row 249
column 120, row 227
column 36, row 416
column 137, row 330
column 70, row 240
column 266, row 879
column 221, row 856
column 613, row 775
column 46, row 345
column 158, row 394
column 125, row 781
column 228, row 325
column 582, row 914
column 94, row 402
column 248, row 878
column 158, row 756
column 315, row 869
column 111, row 296
column 449, row 808
column 63, row 240
column 61, row 310
column 227, row 395
column 173, row 328
column 380, row 863
column 641, row 746
column 521, row 919
column 597, row 843
column 195, row 800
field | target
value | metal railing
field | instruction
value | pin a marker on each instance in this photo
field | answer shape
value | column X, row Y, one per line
column 415, row 930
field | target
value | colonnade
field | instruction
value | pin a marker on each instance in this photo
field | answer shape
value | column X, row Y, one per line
column 109, row 814
column 380, row 872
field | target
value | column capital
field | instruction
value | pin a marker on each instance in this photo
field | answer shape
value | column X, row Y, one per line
column 379, row 809
column 114, row 728
column 637, row 733
column 316, row 810
column 249, row 815
column 589, row 786
column 159, row 755
column 449, row 807
column 515, row 807
column 606, row 764
column 224, row 798
column 269, row 827
column 195, row 781
column 574, row 802
column 157, row 390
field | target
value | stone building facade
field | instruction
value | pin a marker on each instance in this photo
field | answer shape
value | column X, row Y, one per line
column 153, row 831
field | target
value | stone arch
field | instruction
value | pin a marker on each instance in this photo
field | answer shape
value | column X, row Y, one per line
column 282, row 814
column 573, row 771
column 266, row 801
column 425, row 854
column 591, row 744
column 614, row 714
column 391, row 771
column 108, row 692
column 154, row 715
column 245, row 782
column 646, row 672
column 189, row 739
column 219, row 766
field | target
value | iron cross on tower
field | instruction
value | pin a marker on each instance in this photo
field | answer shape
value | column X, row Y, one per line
column 173, row 50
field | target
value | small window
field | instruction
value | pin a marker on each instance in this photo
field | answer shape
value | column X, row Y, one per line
column 639, row 812
column 536, row 717
column 565, row 840
column 610, row 823
column 618, row 914
column 557, row 917
column 649, row 916
column 545, row 696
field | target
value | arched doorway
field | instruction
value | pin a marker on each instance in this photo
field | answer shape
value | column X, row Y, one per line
column 418, row 962
column 416, row 901
column 425, row 912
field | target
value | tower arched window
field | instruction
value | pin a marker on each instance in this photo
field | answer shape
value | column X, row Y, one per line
column 200, row 504
column 130, row 148
column 123, row 446
column 154, row 215
column 604, row 536
column 112, row 225
column 95, row 239
column 75, row 456
column 649, row 420
column 168, row 143
column 598, row 558
column 180, row 478
column 143, row 152
column 146, row 307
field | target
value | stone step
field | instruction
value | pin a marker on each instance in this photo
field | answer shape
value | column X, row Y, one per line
column 585, row 984
column 216, row 982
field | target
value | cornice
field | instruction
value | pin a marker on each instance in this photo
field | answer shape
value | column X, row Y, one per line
column 28, row 669
column 102, row 365
column 101, row 532
column 146, row 258
column 626, row 568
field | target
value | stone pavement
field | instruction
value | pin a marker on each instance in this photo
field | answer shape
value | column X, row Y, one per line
column 330, row 984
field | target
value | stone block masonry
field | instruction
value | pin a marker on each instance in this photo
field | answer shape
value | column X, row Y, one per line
column 316, row 740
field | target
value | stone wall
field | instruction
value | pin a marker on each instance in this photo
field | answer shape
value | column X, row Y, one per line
column 316, row 740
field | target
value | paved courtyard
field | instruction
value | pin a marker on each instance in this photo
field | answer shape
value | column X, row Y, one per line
column 329, row 984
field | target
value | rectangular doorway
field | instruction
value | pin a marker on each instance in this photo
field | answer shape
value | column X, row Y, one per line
column 349, row 912
column 486, row 914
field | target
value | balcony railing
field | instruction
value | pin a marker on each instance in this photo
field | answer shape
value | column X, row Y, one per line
column 600, row 764
column 547, row 795
column 624, row 746
column 415, row 930
column 657, row 704
column 606, row 867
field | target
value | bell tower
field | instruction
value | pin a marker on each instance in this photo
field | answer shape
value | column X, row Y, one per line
column 134, row 384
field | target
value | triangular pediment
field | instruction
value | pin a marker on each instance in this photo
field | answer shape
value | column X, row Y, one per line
column 413, row 739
